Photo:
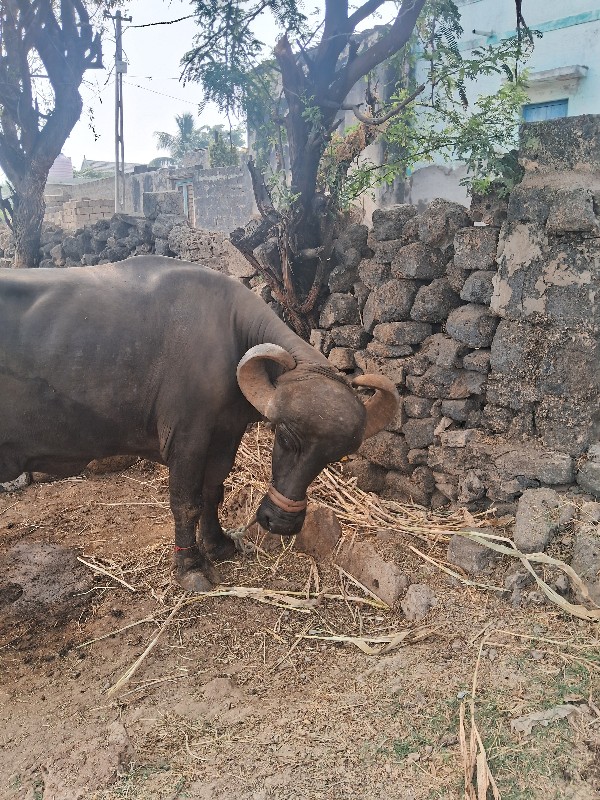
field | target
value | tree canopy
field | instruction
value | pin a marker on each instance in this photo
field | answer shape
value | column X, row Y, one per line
column 189, row 138
column 295, row 100
column 45, row 48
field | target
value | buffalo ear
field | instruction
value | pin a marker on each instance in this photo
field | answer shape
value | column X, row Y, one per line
column 253, row 378
column 382, row 406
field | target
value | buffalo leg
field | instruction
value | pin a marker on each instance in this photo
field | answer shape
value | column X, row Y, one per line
column 194, row 571
column 223, row 447
column 210, row 533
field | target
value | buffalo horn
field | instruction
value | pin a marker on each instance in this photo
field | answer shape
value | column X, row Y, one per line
column 382, row 406
column 253, row 378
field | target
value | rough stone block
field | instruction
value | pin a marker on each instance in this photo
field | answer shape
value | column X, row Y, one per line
column 440, row 221
column 586, row 560
column 343, row 277
column 378, row 349
column 456, row 275
column 320, row 533
column 361, row 292
column 478, row 361
column 472, row 557
column 102, row 466
column 548, row 148
column 353, row 236
column 385, row 251
column 388, row 450
column 466, row 384
column 475, row 248
column 369, row 477
column 23, row 480
column 342, row 358
column 478, row 288
column 418, row 457
column 536, row 463
column 392, row 368
column 417, row 261
column 321, row 340
column 390, row 302
column 458, row 438
column 459, row 410
column 550, row 279
column 434, row 383
column 473, row 325
column 371, row 563
column 402, row 333
column 443, row 350
column 339, row 309
column 372, row 273
column 415, row 488
column 537, row 520
column 388, row 223
column 419, row 407
column 573, row 211
column 434, row 302
column 419, row 432
column 398, row 420
column 528, row 204
column 353, row 336
column 471, row 487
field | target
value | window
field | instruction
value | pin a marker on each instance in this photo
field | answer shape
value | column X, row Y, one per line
column 538, row 112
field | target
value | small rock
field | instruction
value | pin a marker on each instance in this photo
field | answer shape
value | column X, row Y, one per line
column 537, row 655
column 320, row 533
column 537, row 520
column 418, row 601
column 561, row 584
column 586, row 560
column 470, row 556
column 373, row 569
column 21, row 482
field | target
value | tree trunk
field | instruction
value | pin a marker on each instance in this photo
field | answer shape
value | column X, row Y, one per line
column 27, row 222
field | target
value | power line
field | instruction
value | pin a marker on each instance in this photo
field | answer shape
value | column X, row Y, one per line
column 165, row 22
column 162, row 94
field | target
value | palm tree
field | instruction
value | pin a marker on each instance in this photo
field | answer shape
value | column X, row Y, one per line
column 187, row 139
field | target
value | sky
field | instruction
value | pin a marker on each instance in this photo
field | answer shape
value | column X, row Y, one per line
column 152, row 92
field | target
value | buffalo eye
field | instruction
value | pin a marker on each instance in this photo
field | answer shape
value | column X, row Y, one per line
column 286, row 439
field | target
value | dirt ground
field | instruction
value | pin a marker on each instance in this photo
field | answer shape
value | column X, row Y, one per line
column 236, row 700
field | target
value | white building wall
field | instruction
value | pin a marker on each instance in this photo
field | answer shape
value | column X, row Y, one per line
column 571, row 38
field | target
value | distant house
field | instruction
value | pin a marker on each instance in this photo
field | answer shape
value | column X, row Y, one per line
column 101, row 169
column 61, row 171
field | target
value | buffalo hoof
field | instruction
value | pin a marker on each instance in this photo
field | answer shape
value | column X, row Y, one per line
column 196, row 574
column 193, row 580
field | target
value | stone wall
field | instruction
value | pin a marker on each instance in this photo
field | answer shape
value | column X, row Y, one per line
column 222, row 198
column 491, row 332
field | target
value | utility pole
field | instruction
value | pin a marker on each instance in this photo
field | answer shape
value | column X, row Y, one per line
column 120, row 68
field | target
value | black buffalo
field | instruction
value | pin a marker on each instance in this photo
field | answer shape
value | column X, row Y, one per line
column 170, row 361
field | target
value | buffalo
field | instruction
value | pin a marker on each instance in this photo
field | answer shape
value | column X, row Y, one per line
column 170, row 361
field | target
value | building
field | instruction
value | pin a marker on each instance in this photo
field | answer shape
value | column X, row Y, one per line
column 564, row 72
